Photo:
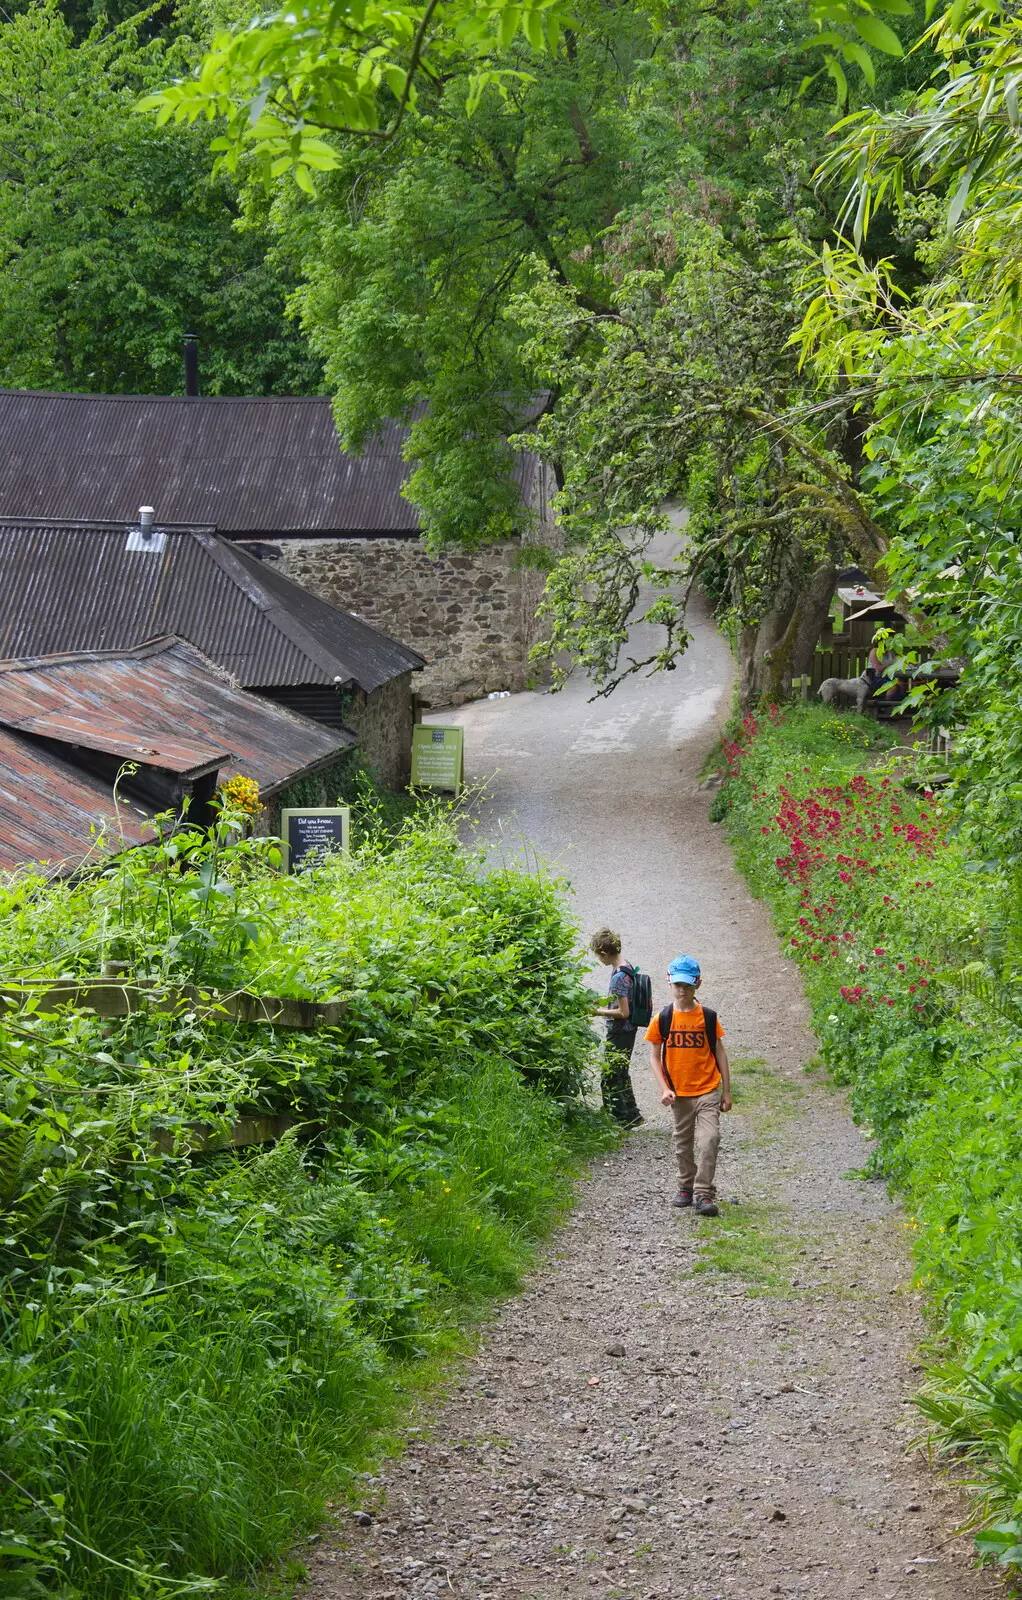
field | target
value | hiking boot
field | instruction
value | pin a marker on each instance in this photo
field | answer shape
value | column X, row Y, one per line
column 682, row 1199
column 703, row 1206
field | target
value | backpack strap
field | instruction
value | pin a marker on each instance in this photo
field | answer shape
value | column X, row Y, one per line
column 626, row 966
column 710, row 1019
column 665, row 1019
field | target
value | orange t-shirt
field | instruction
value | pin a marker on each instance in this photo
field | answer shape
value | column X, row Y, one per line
column 691, row 1065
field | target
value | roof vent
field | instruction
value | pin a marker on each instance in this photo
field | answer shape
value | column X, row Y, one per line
column 145, row 537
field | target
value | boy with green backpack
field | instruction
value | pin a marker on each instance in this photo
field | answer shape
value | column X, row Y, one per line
column 629, row 1008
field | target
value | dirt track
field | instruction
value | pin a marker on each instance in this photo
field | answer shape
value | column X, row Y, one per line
column 673, row 1408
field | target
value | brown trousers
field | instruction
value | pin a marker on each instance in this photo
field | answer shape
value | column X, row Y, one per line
column 697, row 1139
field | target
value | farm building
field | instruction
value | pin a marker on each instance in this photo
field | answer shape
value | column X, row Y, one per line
column 160, row 723
column 81, row 585
column 269, row 477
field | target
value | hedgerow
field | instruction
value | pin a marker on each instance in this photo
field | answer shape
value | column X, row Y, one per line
column 197, row 1344
column 909, row 947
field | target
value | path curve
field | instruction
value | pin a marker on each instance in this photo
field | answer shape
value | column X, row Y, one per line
column 750, row 1439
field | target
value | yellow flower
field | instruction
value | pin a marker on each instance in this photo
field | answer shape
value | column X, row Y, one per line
column 240, row 794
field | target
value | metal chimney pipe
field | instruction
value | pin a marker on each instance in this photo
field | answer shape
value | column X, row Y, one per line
column 145, row 517
column 191, row 349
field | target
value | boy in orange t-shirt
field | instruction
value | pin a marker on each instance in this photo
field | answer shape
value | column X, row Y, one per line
column 694, row 1077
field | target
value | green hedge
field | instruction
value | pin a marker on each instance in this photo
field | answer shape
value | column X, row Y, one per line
column 910, row 951
column 195, row 1350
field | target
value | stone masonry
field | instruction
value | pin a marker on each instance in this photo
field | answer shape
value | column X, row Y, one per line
column 383, row 723
column 472, row 615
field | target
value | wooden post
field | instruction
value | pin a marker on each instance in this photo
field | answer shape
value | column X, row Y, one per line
column 112, row 999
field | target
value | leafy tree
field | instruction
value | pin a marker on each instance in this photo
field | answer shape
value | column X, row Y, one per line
column 935, row 368
column 422, row 251
column 113, row 240
column 689, row 390
column 510, row 227
column 281, row 80
column 413, row 251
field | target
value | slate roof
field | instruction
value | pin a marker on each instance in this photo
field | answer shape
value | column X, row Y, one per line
column 162, row 705
column 248, row 467
column 71, row 586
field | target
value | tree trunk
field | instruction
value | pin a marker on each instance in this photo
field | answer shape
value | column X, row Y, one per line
column 757, row 643
column 793, row 655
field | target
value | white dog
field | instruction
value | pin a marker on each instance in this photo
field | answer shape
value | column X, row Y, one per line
column 854, row 691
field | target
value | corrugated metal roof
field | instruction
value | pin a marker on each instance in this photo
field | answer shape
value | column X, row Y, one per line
column 50, row 811
column 118, row 736
column 74, row 586
column 163, row 705
column 165, row 697
column 249, row 466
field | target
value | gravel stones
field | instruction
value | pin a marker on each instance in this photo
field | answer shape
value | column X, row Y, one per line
column 661, row 1498
column 693, row 1350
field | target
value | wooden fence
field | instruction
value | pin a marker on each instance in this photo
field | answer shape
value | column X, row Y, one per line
column 840, row 661
column 110, row 998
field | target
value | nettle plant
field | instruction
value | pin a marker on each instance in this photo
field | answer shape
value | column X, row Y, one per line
column 193, row 903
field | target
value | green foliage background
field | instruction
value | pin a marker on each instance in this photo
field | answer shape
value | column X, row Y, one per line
column 196, row 1348
column 114, row 239
column 911, row 959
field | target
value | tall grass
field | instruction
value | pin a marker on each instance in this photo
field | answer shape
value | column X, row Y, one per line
column 194, row 1350
column 911, row 950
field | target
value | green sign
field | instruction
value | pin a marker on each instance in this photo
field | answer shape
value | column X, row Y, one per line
column 307, row 834
column 437, row 757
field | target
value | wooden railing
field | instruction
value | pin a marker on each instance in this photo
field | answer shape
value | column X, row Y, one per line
column 110, row 998
column 115, row 998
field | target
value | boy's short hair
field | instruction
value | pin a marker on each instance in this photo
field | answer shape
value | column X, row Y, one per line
column 605, row 942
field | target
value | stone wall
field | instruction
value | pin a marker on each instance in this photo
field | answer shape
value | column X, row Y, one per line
column 473, row 616
column 382, row 722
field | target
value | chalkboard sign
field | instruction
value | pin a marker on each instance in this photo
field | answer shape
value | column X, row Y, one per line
column 307, row 835
column 437, row 757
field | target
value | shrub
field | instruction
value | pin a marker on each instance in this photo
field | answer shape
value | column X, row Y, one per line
column 196, row 1347
column 876, row 896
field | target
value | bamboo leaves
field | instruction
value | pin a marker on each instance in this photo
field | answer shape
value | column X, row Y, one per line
column 837, row 23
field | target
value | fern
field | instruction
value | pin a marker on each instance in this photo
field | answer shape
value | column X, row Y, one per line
column 1002, row 996
column 40, row 1201
column 996, row 981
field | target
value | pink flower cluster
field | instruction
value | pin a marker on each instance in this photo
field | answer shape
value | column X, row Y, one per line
column 842, row 844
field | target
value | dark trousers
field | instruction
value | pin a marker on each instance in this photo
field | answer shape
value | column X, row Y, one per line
column 618, row 1095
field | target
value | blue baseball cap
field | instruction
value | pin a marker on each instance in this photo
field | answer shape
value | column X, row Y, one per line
column 684, row 970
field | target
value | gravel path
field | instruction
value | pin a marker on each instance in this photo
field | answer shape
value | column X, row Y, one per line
column 674, row 1408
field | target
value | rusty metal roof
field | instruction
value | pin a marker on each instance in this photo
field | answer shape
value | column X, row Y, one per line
column 164, row 705
column 52, row 812
column 116, row 737
column 71, row 586
column 248, row 466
